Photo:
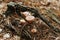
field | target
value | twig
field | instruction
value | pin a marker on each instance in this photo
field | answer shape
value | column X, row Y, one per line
column 53, row 17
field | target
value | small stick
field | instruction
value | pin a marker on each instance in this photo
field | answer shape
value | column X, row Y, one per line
column 53, row 17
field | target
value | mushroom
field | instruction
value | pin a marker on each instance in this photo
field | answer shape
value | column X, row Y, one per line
column 34, row 30
column 22, row 21
column 30, row 18
column 26, row 13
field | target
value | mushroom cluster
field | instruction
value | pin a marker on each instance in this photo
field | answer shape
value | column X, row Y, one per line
column 30, row 18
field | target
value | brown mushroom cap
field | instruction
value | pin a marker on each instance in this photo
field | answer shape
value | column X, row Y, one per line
column 30, row 18
column 22, row 21
column 34, row 30
column 26, row 13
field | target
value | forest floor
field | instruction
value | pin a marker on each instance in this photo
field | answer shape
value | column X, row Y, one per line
column 48, row 8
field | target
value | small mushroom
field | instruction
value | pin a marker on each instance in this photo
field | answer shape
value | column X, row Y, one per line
column 30, row 18
column 26, row 13
column 22, row 21
column 33, row 30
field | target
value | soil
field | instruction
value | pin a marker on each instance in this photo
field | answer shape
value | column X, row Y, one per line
column 36, row 30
